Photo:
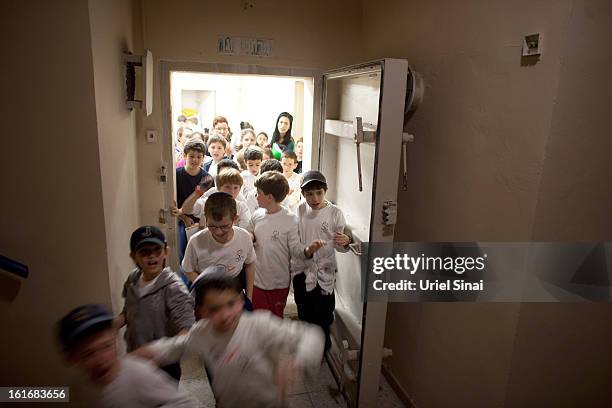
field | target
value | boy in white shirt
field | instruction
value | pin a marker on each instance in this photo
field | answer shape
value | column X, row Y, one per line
column 221, row 243
column 216, row 148
column 266, row 165
column 89, row 340
column 253, row 157
column 251, row 357
column 228, row 181
column 289, row 163
column 276, row 242
column 314, row 280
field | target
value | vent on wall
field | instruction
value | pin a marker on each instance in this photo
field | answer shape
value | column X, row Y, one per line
column 141, row 84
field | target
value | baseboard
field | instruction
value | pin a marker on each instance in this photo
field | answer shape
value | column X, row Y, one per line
column 401, row 393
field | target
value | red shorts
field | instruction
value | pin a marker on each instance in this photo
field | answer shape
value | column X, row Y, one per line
column 273, row 300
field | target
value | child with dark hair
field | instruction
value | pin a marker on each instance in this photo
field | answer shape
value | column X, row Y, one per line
column 277, row 241
column 252, row 357
column 262, row 139
column 216, row 148
column 221, row 243
column 89, row 340
column 187, row 179
column 156, row 301
column 253, row 157
column 314, row 281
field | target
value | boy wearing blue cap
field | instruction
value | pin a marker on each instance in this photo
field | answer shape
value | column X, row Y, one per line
column 157, row 303
column 89, row 340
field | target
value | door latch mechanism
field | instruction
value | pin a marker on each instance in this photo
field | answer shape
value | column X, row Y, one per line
column 389, row 212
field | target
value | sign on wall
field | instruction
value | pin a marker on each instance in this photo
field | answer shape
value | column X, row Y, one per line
column 255, row 47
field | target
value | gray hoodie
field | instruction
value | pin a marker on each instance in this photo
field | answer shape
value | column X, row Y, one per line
column 163, row 311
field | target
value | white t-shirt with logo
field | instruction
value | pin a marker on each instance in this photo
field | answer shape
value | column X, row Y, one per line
column 319, row 224
column 203, row 251
column 277, row 241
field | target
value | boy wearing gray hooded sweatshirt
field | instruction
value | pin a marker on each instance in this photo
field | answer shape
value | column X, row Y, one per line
column 157, row 303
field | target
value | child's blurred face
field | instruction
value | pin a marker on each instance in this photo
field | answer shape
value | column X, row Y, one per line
column 283, row 124
column 253, row 166
column 315, row 198
column 288, row 165
column 266, row 156
column 150, row 258
column 299, row 150
column 216, row 151
column 97, row 356
column 222, row 129
column 262, row 140
column 221, row 230
column 248, row 140
column 194, row 159
column 222, row 308
column 232, row 189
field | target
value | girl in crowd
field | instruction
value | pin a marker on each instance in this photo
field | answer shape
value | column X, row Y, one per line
column 282, row 132
column 262, row 139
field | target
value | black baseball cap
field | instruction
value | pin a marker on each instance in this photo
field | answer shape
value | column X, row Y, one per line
column 146, row 234
column 313, row 175
column 82, row 322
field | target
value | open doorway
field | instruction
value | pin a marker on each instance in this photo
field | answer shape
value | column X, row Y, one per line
column 252, row 94
column 256, row 99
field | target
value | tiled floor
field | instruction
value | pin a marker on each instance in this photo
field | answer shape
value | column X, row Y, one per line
column 320, row 391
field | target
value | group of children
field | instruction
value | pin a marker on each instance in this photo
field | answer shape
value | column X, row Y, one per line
column 255, row 233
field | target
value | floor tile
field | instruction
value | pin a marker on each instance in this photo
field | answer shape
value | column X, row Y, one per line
column 327, row 399
column 300, row 401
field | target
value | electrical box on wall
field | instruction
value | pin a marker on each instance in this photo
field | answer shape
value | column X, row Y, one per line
column 142, row 84
column 532, row 45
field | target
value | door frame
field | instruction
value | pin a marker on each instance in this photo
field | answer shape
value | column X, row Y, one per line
column 166, row 68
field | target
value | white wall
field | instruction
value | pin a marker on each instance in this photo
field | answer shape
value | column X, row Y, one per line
column 308, row 34
column 111, row 36
column 505, row 150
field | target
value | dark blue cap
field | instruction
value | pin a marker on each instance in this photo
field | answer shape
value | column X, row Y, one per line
column 147, row 234
column 83, row 321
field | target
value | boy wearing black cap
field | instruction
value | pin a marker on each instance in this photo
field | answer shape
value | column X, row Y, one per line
column 157, row 303
column 89, row 340
column 314, row 280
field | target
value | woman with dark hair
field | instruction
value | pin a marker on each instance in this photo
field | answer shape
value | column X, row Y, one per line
column 282, row 132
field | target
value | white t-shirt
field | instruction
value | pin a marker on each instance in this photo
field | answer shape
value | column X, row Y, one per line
column 251, row 200
column 203, row 251
column 213, row 189
column 244, row 215
column 277, row 241
column 142, row 385
column 243, row 363
column 319, row 224
column 212, row 170
column 145, row 287
column 249, row 181
column 293, row 199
